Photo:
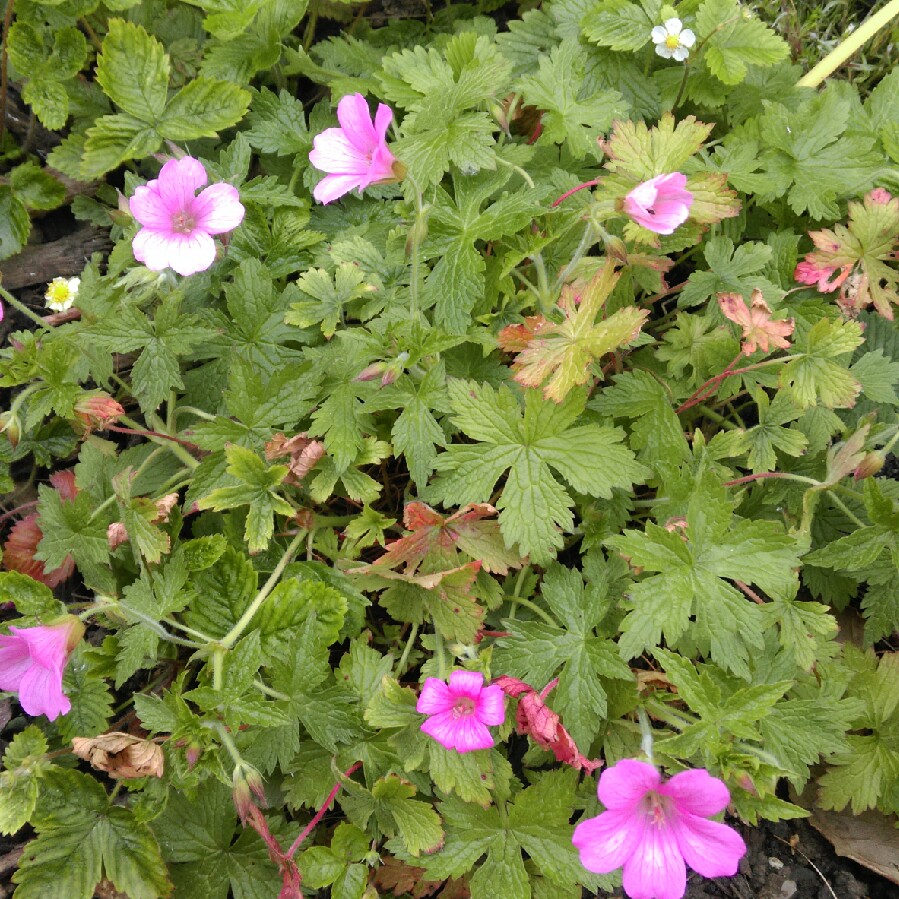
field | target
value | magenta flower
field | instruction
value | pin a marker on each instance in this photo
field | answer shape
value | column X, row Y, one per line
column 651, row 828
column 660, row 204
column 355, row 154
column 32, row 660
column 460, row 712
column 178, row 224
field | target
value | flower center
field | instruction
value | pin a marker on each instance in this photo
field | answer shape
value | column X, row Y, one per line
column 656, row 807
column 463, row 707
column 672, row 42
column 183, row 223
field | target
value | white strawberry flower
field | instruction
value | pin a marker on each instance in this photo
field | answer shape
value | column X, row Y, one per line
column 61, row 293
column 672, row 40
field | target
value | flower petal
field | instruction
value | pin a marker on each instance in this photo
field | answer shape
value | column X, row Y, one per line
column 710, row 848
column 680, row 53
column 333, row 186
column 608, row 840
column 15, row 660
column 355, row 120
column 624, row 784
column 191, row 253
column 696, row 792
column 664, row 51
column 151, row 248
column 46, row 645
column 656, row 869
column 383, row 118
column 471, row 734
column 179, row 180
column 333, row 153
column 435, row 697
column 466, row 683
column 673, row 26
column 491, row 707
column 149, row 209
column 687, row 38
column 40, row 693
column 658, row 34
column 218, row 209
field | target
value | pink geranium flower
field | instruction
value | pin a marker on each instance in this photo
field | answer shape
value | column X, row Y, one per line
column 461, row 711
column 660, row 204
column 32, row 660
column 178, row 223
column 651, row 828
column 355, row 155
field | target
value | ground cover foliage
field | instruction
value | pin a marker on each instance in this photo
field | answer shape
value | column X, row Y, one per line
column 634, row 478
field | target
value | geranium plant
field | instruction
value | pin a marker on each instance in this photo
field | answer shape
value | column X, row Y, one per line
column 461, row 467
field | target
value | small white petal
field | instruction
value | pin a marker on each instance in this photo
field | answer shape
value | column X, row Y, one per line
column 663, row 51
column 687, row 38
column 680, row 53
column 659, row 34
column 673, row 26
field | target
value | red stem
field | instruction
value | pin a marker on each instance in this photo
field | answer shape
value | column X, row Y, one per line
column 18, row 509
column 321, row 812
column 142, row 433
column 753, row 477
column 750, row 593
column 574, row 190
column 704, row 390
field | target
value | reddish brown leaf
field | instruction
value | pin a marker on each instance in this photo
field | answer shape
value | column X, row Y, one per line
column 759, row 329
column 302, row 450
column 120, row 755
column 536, row 719
column 472, row 529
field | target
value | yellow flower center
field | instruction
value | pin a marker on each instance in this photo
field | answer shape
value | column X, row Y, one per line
column 672, row 42
column 58, row 291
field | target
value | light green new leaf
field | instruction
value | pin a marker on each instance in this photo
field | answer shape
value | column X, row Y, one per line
column 258, row 490
column 24, row 764
column 133, row 69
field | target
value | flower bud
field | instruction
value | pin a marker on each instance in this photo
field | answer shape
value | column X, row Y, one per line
column 96, row 410
column 246, row 784
column 870, row 465
column 11, row 426
column 370, row 372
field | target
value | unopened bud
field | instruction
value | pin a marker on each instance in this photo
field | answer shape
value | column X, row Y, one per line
column 247, row 784
column 869, row 466
column 370, row 372
column 96, row 410
column 11, row 426
column 192, row 754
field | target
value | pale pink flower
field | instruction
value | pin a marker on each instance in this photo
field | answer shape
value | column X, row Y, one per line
column 660, row 204
column 178, row 223
column 460, row 712
column 32, row 660
column 355, row 155
column 652, row 828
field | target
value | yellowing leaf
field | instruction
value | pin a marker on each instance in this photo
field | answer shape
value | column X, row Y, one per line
column 563, row 352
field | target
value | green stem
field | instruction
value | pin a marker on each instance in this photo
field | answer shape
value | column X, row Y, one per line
column 717, row 417
column 516, row 168
column 846, row 510
column 166, row 440
column 441, row 655
column 587, row 241
column 17, row 304
column 193, row 410
column 419, row 229
column 268, row 691
column 849, row 45
column 516, row 590
column 234, row 634
column 404, row 658
column 520, row 600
